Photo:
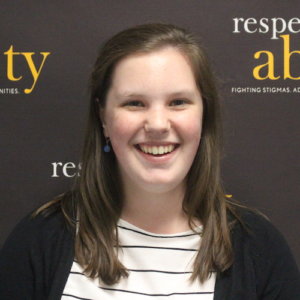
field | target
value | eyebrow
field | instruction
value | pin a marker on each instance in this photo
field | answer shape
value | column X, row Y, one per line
column 129, row 95
column 180, row 93
column 186, row 93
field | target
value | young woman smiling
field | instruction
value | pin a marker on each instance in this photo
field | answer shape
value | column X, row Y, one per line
column 148, row 216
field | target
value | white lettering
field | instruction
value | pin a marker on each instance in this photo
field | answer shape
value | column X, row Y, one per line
column 68, row 169
column 55, row 164
column 275, row 26
column 236, row 24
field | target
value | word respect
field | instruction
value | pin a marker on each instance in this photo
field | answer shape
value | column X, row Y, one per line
column 265, row 25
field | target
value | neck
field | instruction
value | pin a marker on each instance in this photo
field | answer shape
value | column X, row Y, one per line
column 155, row 211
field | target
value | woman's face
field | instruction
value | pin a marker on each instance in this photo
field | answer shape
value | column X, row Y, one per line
column 153, row 118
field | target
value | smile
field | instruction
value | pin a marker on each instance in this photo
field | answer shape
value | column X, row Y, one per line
column 157, row 149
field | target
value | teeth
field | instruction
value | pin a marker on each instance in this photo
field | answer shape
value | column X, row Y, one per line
column 155, row 150
column 161, row 150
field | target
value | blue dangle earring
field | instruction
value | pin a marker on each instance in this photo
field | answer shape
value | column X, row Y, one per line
column 106, row 147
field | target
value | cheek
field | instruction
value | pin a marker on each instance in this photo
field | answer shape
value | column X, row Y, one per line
column 118, row 137
column 120, row 129
column 191, row 127
column 195, row 129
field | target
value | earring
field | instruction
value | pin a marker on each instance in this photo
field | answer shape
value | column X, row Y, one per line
column 106, row 147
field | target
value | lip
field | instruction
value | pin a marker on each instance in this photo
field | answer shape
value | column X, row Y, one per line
column 157, row 143
column 160, row 158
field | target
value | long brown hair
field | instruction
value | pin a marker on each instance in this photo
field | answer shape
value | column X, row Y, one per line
column 97, row 195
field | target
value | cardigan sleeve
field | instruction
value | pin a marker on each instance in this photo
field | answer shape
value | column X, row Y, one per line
column 16, row 266
column 277, row 274
column 31, row 257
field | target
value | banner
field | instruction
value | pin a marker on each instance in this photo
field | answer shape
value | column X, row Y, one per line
column 47, row 50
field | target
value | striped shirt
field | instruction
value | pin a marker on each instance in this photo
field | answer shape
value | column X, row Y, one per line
column 159, row 265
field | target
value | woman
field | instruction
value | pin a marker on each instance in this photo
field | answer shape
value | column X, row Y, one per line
column 148, row 216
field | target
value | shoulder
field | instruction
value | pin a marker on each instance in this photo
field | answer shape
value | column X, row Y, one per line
column 258, row 229
column 34, row 234
column 35, row 251
column 40, row 227
column 259, row 247
column 260, row 235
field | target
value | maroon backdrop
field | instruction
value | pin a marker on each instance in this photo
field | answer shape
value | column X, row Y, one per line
column 46, row 53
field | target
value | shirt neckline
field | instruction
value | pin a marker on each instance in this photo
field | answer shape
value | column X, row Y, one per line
column 123, row 223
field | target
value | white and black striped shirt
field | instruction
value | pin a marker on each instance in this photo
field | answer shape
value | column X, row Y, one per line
column 159, row 265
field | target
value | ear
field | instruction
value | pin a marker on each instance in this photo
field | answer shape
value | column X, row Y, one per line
column 105, row 130
column 102, row 119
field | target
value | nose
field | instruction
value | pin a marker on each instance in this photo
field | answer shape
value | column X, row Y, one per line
column 157, row 121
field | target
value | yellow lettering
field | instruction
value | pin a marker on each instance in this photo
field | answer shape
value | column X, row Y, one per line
column 34, row 71
column 287, row 56
column 269, row 64
column 10, row 64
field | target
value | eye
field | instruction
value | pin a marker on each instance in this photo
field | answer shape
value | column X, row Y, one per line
column 134, row 103
column 178, row 102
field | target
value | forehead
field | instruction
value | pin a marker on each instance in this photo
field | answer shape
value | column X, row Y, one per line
column 164, row 70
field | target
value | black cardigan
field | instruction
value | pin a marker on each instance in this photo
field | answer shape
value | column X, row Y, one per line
column 36, row 259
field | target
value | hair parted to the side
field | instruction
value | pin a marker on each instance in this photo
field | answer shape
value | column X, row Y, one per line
column 98, row 190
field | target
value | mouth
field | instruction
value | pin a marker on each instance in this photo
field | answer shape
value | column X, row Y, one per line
column 157, row 150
